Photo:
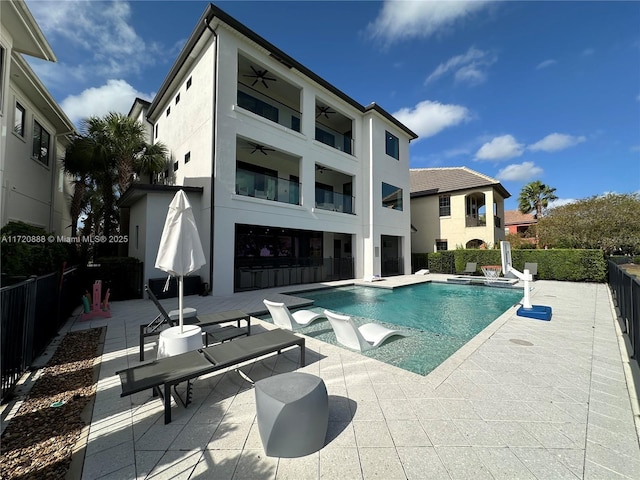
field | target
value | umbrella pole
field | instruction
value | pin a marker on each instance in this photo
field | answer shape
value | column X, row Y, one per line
column 180, row 297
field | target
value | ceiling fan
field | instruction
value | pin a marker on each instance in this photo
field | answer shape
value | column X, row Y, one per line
column 260, row 76
column 326, row 111
column 260, row 148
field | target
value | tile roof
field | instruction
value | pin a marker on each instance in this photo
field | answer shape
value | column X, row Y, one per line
column 515, row 217
column 433, row 181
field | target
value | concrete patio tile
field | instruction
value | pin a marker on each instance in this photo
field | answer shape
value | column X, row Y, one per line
column 218, row 464
column 381, row 463
column 372, row 434
column 394, row 409
column 444, row 432
column 339, row 408
column 342, row 463
column 175, row 465
column 420, row 463
column 301, row 468
column 594, row 471
column 543, row 463
column 159, row 436
column 146, row 460
column 193, row 436
column 463, row 463
column 408, row 433
column 503, row 463
column 429, row 409
column 389, row 391
column 339, row 435
column 549, row 435
column 255, row 464
column 514, row 435
column 479, row 433
column 358, row 392
column 254, row 441
column 240, row 413
column 366, row 410
column 620, row 443
column 109, row 460
column 458, row 408
column 229, row 436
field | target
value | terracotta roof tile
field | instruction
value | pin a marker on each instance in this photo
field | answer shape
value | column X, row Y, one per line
column 515, row 217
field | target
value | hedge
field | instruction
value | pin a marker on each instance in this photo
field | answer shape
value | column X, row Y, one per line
column 573, row 265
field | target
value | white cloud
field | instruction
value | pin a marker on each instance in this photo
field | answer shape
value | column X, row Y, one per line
column 468, row 68
column 98, row 35
column 500, row 148
column 519, row 172
column 114, row 96
column 546, row 64
column 560, row 202
column 556, row 141
column 428, row 118
column 399, row 20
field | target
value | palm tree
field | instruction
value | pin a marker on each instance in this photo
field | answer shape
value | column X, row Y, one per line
column 535, row 197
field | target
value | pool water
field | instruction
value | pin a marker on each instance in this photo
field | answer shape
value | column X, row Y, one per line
column 439, row 318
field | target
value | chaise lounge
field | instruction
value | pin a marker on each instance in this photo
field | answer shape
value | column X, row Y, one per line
column 283, row 318
column 170, row 371
column 362, row 338
column 212, row 331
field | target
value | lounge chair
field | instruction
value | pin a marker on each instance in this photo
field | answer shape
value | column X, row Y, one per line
column 532, row 267
column 283, row 318
column 170, row 371
column 362, row 338
column 212, row 331
column 470, row 269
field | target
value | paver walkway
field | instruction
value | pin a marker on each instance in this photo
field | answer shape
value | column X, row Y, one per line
column 524, row 399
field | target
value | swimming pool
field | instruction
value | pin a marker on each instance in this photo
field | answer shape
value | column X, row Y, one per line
column 439, row 318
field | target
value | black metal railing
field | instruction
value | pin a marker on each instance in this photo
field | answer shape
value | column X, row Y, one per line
column 258, row 273
column 32, row 313
column 625, row 289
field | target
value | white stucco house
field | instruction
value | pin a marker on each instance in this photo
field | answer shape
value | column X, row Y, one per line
column 456, row 207
column 292, row 180
column 34, row 129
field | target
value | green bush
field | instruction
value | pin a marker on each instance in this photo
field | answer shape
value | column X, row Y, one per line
column 26, row 250
column 572, row 265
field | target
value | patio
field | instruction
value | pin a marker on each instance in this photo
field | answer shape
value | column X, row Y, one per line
column 524, row 399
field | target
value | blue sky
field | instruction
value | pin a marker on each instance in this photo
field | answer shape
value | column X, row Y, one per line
column 519, row 91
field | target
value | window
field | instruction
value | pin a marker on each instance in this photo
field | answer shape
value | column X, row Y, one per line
column 168, row 111
column 18, row 121
column 2, row 66
column 177, row 99
column 187, row 157
column 441, row 245
column 40, row 143
column 189, row 83
column 392, row 145
column 391, row 197
column 445, row 205
column 175, row 166
column 156, row 133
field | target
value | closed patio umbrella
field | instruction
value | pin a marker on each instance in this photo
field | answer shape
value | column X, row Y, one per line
column 180, row 251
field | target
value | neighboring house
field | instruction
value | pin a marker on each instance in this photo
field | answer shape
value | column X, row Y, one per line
column 35, row 130
column 293, row 180
column 455, row 208
column 518, row 223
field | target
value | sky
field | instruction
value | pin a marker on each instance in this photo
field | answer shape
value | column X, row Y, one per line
column 519, row 91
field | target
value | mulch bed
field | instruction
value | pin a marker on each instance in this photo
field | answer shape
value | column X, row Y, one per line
column 40, row 439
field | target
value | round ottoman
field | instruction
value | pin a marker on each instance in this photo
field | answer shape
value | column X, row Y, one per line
column 293, row 414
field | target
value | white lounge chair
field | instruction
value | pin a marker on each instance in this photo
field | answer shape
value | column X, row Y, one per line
column 362, row 338
column 470, row 269
column 283, row 318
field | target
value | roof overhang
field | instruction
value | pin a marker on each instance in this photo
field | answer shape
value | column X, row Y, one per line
column 23, row 28
column 28, row 82
column 139, row 190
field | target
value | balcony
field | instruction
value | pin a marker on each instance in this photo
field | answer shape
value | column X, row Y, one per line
column 333, row 201
column 333, row 128
column 267, row 187
column 268, row 108
column 475, row 221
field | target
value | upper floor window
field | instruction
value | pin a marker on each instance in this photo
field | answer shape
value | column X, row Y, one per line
column 177, row 99
column 41, row 139
column 187, row 157
column 391, row 197
column 392, row 145
column 168, row 111
column 19, row 120
column 2, row 67
column 441, row 245
column 445, row 205
column 189, row 83
column 156, row 132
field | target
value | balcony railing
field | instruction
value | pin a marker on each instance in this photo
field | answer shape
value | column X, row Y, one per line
column 497, row 222
column 335, row 202
column 334, row 139
column 267, row 187
column 475, row 221
column 267, row 107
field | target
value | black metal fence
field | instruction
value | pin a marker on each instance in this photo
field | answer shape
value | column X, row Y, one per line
column 32, row 313
column 626, row 295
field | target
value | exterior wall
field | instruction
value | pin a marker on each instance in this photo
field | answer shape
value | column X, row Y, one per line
column 425, row 217
column 190, row 128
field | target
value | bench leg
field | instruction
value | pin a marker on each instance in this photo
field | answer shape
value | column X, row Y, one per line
column 167, row 403
column 302, row 354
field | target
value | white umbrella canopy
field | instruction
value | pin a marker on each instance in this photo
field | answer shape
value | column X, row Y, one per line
column 180, row 251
